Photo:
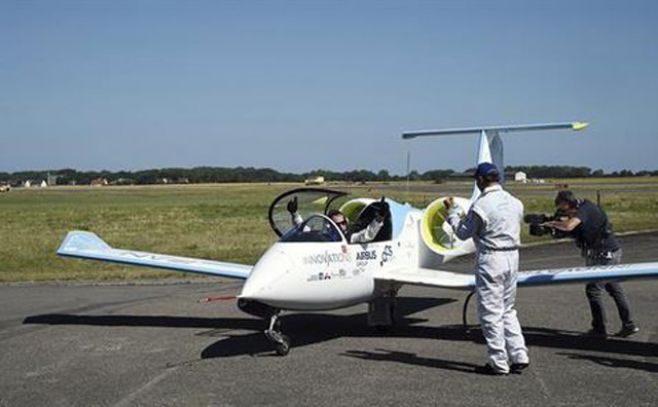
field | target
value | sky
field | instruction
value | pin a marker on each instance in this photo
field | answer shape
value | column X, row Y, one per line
column 302, row 85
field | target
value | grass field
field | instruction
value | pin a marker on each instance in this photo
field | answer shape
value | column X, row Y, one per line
column 225, row 221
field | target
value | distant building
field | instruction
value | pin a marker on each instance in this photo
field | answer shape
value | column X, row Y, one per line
column 27, row 184
column 520, row 176
column 52, row 179
column 123, row 181
column 43, row 184
column 98, row 182
column 315, row 181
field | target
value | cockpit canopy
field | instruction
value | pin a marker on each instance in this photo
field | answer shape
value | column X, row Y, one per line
column 312, row 204
column 309, row 201
column 317, row 228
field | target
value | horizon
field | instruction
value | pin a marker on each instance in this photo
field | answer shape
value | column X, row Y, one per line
column 516, row 168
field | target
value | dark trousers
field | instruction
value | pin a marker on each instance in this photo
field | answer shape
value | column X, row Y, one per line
column 594, row 293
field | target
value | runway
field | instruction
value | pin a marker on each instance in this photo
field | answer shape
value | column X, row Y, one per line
column 156, row 344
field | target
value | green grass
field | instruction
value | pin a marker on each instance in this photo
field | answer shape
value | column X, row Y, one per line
column 224, row 222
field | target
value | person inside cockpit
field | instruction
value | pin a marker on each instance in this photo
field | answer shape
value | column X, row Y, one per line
column 364, row 235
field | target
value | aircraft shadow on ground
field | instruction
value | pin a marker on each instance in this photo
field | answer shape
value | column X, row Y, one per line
column 310, row 328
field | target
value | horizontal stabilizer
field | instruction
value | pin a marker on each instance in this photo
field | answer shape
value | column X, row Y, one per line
column 87, row 245
column 495, row 129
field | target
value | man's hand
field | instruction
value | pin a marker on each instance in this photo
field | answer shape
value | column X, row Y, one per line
column 449, row 203
column 292, row 206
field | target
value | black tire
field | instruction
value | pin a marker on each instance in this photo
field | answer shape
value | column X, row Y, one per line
column 282, row 349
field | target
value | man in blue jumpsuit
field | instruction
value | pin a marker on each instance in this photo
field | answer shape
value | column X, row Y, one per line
column 494, row 223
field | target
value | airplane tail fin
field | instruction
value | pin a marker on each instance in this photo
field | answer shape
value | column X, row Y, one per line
column 490, row 145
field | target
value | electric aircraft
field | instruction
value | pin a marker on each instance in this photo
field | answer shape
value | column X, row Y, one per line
column 313, row 267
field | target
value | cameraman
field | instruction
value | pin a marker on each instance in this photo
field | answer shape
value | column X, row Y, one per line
column 590, row 226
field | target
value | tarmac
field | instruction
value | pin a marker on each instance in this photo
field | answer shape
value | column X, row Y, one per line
column 156, row 344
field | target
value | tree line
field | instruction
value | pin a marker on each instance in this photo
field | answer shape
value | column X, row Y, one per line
column 250, row 174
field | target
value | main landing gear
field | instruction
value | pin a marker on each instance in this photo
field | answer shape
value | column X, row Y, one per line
column 273, row 331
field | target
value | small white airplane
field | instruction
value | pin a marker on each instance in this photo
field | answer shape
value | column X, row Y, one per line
column 313, row 267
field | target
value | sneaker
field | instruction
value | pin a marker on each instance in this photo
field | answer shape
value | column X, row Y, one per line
column 518, row 367
column 488, row 370
column 627, row 331
column 595, row 333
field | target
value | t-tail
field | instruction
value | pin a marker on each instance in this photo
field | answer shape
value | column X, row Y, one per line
column 490, row 144
column 440, row 243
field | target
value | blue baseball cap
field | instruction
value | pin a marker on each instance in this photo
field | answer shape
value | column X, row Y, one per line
column 485, row 169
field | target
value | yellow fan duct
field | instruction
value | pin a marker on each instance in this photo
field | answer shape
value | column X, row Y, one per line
column 436, row 232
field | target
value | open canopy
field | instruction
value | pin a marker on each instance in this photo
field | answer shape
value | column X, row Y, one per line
column 309, row 201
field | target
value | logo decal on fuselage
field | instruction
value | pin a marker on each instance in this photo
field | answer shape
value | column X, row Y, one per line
column 387, row 254
column 326, row 258
column 328, row 275
column 367, row 255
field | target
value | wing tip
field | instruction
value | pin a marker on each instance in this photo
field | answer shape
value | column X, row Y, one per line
column 80, row 240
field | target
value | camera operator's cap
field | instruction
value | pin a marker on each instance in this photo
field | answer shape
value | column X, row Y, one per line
column 485, row 169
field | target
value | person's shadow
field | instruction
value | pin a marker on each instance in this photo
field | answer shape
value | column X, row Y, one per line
column 614, row 362
column 411, row 359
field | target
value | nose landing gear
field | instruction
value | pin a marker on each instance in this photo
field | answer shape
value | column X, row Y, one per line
column 273, row 331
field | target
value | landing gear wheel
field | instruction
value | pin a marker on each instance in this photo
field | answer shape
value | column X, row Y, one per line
column 283, row 347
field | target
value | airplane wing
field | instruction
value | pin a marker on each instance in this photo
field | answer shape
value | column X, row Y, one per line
column 586, row 274
column 460, row 281
column 87, row 245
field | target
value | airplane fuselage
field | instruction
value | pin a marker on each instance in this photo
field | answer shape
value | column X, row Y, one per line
column 327, row 275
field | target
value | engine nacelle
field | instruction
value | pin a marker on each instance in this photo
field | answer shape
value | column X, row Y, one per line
column 437, row 234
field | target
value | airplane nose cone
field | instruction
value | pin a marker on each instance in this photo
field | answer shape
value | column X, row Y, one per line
column 272, row 267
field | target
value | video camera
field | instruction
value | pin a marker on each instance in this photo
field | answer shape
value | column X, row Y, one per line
column 535, row 220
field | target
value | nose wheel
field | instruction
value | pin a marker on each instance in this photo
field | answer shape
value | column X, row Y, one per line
column 273, row 331
column 274, row 334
